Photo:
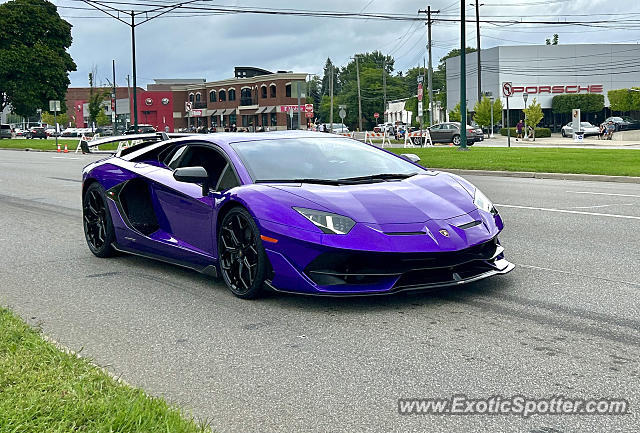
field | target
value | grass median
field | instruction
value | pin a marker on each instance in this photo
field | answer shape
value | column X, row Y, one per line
column 613, row 162
column 49, row 144
column 45, row 389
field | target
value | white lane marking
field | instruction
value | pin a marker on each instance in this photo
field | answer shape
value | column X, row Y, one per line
column 602, row 205
column 604, row 193
column 64, row 157
column 561, row 271
column 570, row 211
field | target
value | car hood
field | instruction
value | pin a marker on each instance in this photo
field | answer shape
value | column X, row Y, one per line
column 417, row 199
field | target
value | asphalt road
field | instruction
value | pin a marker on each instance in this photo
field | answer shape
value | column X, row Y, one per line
column 564, row 322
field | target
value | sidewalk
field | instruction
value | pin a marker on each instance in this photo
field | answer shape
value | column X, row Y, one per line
column 556, row 140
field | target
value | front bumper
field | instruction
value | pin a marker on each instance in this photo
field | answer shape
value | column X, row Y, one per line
column 315, row 268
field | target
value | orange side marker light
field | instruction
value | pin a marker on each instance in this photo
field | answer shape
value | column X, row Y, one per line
column 268, row 239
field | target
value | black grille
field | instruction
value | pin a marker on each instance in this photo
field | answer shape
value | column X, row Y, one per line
column 369, row 267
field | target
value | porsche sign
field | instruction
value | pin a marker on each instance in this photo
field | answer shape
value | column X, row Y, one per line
column 557, row 89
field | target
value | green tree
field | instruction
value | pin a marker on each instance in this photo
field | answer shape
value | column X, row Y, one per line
column 49, row 118
column 482, row 111
column 96, row 98
column 102, row 119
column 624, row 99
column 554, row 41
column 533, row 115
column 587, row 103
column 455, row 115
column 34, row 62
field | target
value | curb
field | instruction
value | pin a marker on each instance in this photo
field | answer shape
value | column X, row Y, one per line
column 536, row 175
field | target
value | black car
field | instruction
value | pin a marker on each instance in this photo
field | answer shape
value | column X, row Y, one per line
column 37, row 132
column 142, row 129
column 5, row 131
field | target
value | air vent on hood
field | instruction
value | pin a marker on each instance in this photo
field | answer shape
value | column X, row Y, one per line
column 469, row 225
column 404, row 233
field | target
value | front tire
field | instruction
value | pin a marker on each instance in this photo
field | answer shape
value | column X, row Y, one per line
column 243, row 261
column 98, row 226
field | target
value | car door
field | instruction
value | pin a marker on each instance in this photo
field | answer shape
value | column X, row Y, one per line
column 436, row 133
column 186, row 216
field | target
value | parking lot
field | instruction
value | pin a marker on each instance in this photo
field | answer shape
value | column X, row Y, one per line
column 564, row 322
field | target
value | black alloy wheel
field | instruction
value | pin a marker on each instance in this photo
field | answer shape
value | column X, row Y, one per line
column 241, row 254
column 98, row 227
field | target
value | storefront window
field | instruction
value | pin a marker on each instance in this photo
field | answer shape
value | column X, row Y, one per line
column 214, row 120
column 274, row 119
column 265, row 117
column 232, row 119
column 245, row 120
column 225, row 123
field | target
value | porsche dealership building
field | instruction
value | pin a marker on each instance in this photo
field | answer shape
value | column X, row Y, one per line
column 544, row 71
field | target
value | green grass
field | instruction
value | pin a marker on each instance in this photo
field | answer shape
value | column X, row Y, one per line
column 614, row 162
column 49, row 144
column 43, row 389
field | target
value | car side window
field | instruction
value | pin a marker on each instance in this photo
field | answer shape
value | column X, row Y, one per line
column 172, row 159
column 206, row 157
column 228, row 179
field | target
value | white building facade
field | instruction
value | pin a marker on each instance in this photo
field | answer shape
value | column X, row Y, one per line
column 544, row 71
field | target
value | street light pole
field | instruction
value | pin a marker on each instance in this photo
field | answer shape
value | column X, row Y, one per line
column 491, row 130
column 525, row 96
column 463, row 80
column 135, row 92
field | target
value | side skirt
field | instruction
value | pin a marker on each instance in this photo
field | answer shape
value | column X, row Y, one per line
column 210, row 270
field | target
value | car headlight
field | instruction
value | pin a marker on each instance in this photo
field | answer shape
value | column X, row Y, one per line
column 328, row 222
column 483, row 203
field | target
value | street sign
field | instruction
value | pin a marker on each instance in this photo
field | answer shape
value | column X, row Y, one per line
column 291, row 113
column 419, row 108
column 308, row 114
column 308, row 108
column 376, row 115
column 54, row 105
column 420, row 92
column 420, row 79
column 507, row 89
column 342, row 114
column 188, row 106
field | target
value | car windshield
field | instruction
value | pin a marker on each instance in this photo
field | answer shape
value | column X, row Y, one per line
column 330, row 159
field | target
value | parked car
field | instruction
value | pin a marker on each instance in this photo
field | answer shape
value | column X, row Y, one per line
column 478, row 131
column 384, row 127
column 620, row 123
column 5, row 131
column 20, row 132
column 337, row 127
column 142, row 129
column 449, row 132
column 586, row 127
column 37, row 132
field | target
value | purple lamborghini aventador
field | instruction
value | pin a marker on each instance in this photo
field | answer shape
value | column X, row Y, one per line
column 292, row 211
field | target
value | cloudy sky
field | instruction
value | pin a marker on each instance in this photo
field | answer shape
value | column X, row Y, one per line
column 210, row 46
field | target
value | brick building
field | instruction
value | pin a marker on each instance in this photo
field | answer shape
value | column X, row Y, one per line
column 253, row 98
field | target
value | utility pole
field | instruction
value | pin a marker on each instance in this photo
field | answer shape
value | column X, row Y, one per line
column 430, row 70
column 384, row 89
column 359, row 98
column 299, row 117
column 477, row 4
column 128, row 99
column 463, row 80
column 331, row 92
column 115, row 100
column 133, row 53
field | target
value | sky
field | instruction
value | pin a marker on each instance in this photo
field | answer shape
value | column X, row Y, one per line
column 210, row 46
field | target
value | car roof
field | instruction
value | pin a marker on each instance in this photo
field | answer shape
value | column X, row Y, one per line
column 236, row 137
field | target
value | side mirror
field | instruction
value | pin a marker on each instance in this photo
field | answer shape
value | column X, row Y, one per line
column 411, row 157
column 193, row 175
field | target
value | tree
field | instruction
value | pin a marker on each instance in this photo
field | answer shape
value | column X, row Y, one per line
column 50, row 119
column 587, row 103
column 328, row 66
column 96, row 97
column 554, row 41
column 455, row 115
column 624, row 99
column 34, row 62
column 533, row 115
column 482, row 111
column 102, row 119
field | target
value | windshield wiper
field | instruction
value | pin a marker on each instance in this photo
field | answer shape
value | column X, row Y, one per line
column 305, row 180
column 381, row 176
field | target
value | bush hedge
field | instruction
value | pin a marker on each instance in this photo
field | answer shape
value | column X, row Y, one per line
column 540, row 132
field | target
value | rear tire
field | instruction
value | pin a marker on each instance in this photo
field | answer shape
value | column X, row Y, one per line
column 243, row 261
column 456, row 140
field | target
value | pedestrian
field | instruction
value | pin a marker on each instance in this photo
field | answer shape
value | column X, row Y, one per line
column 530, row 133
column 166, row 128
column 602, row 131
column 519, row 129
column 610, row 129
